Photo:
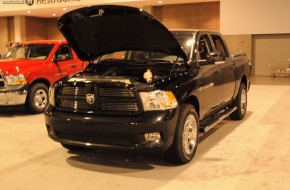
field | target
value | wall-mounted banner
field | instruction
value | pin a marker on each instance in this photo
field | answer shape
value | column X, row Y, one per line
column 11, row 7
column 35, row 2
column 14, row 2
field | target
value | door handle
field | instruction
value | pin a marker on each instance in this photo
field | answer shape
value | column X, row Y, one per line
column 218, row 71
column 232, row 67
column 73, row 66
column 219, row 62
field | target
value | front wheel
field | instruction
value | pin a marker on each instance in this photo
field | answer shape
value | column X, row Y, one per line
column 186, row 136
column 37, row 98
column 241, row 104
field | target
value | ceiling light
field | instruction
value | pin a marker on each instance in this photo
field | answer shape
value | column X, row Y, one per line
column 160, row 2
column 53, row 14
column 28, row 11
column 64, row 9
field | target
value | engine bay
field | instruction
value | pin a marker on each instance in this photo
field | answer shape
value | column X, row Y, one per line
column 148, row 72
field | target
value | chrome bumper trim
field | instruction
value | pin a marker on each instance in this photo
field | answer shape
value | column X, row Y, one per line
column 10, row 98
column 148, row 144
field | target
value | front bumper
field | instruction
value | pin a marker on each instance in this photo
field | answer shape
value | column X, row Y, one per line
column 13, row 97
column 122, row 132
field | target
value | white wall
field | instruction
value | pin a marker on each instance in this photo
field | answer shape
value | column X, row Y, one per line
column 254, row 16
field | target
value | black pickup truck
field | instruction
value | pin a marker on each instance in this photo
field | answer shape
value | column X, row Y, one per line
column 146, row 87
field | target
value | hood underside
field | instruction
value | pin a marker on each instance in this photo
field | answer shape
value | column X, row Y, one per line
column 98, row 30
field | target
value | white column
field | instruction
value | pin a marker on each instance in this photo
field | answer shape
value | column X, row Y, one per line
column 20, row 28
column 3, row 35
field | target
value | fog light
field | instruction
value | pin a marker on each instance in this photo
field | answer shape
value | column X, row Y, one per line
column 152, row 136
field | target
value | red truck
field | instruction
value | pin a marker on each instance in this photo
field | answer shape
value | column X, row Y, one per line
column 28, row 69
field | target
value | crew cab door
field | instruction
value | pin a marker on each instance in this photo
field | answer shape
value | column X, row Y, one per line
column 66, row 62
column 226, row 67
column 210, row 83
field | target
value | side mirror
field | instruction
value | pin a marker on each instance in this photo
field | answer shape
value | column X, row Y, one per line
column 207, row 61
column 217, row 56
column 193, row 68
column 192, row 64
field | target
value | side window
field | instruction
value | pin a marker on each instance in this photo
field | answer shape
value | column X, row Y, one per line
column 219, row 45
column 64, row 53
column 204, row 47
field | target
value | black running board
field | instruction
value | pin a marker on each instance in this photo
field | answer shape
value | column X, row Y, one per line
column 224, row 115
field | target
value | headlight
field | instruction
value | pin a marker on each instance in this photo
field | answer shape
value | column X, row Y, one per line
column 158, row 100
column 51, row 96
column 15, row 80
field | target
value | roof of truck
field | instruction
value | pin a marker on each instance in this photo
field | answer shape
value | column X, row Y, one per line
column 193, row 30
column 45, row 42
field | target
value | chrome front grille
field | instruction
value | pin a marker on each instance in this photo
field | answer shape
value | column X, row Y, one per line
column 96, row 99
column 76, row 90
column 77, row 105
column 129, row 107
column 114, row 92
column 2, row 84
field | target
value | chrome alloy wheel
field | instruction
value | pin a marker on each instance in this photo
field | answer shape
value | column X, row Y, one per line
column 40, row 98
column 189, row 136
column 243, row 101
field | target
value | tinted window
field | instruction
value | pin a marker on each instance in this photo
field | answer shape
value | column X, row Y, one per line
column 65, row 52
column 204, row 47
column 219, row 45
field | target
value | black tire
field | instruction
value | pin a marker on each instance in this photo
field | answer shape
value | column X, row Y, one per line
column 72, row 147
column 186, row 135
column 241, row 104
column 37, row 98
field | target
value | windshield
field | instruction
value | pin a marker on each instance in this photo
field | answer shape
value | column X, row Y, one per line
column 29, row 51
column 185, row 39
column 139, row 57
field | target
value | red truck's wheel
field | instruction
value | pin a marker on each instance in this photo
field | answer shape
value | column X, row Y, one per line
column 186, row 136
column 37, row 98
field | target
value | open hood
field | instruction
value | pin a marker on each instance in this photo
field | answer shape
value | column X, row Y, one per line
column 98, row 30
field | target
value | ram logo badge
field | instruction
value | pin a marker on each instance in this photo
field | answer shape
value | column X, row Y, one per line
column 90, row 98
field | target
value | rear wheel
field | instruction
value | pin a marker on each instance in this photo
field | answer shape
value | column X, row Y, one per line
column 37, row 98
column 186, row 136
column 241, row 104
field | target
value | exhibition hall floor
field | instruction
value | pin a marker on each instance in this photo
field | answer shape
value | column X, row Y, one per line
column 249, row 154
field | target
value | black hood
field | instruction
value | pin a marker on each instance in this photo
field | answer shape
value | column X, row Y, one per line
column 98, row 30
